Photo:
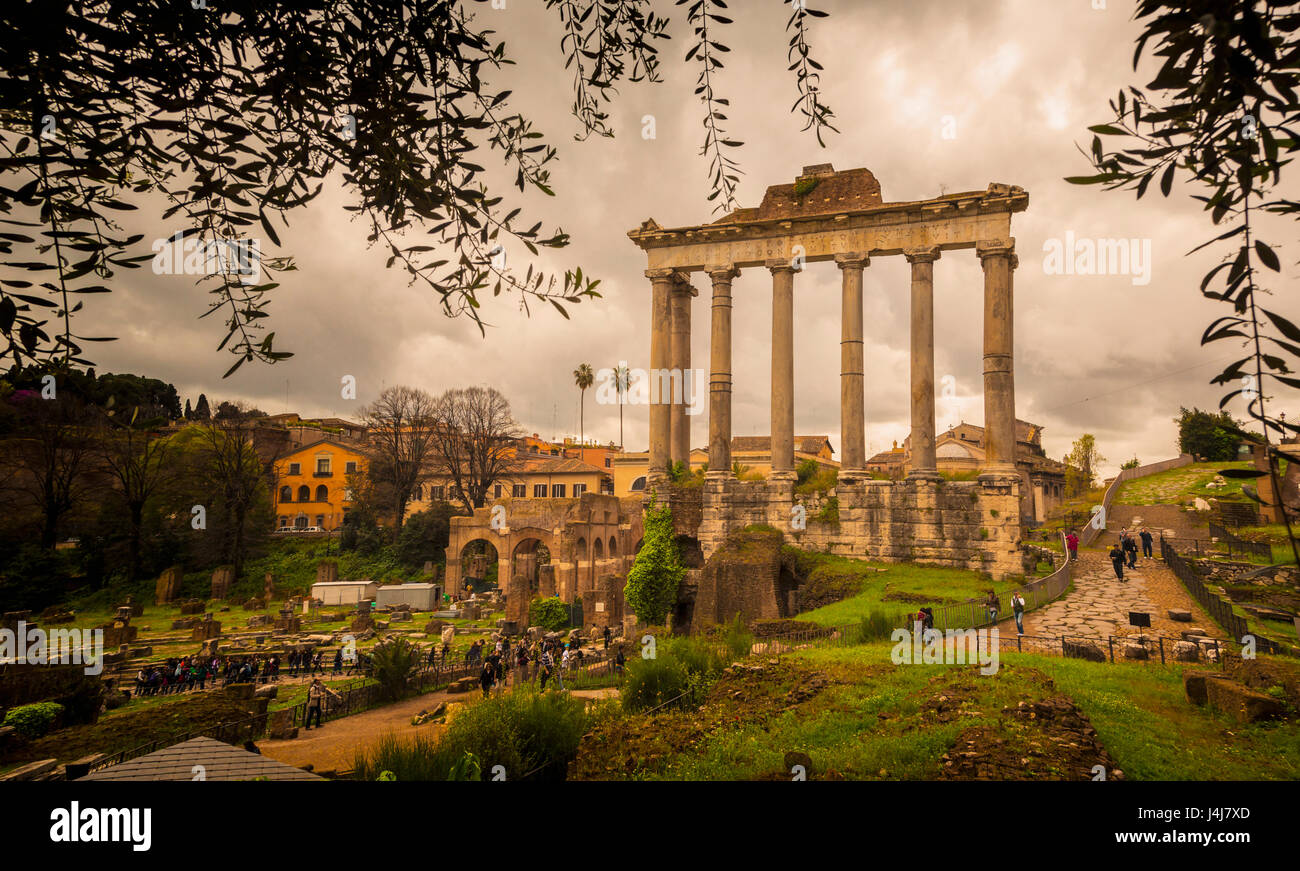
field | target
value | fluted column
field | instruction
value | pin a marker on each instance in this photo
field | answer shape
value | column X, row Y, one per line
column 999, row 259
column 853, row 422
column 720, row 374
column 923, row 458
column 782, row 369
column 679, row 442
column 661, row 282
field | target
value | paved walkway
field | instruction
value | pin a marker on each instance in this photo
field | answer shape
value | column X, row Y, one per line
column 1099, row 605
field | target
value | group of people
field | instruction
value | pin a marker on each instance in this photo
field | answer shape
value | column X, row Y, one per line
column 194, row 672
column 544, row 661
column 1125, row 551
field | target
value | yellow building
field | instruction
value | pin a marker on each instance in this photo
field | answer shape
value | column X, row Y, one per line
column 534, row 477
column 311, row 484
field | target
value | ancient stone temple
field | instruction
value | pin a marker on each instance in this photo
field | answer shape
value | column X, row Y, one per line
column 827, row 216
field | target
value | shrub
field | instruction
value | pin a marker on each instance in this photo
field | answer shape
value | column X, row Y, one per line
column 652, row 682
column 549, row 613
column 33, row 721
column 392, row 661
column 876, row 625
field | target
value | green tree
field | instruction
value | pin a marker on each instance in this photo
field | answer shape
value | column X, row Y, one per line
column 1208, row 436
column 425, row 535
column 1082, row 460
column 1131, row 464
column 583, row 378
column 652, row 583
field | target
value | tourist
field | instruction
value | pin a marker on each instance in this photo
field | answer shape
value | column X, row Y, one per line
column 317, row 663
column 338, row 661
column 566, row 661
column 992, row 605
column 446, row 649
column 1018, row 608
column 316, row 693
column 607, row 634
column 521, row 664
column 487, row 676
column 619, row 661
column 1072, row 544
column 293, row 663
column 545, row 664
column 1131, row 548
column 1147, row 538
column 1117, row 560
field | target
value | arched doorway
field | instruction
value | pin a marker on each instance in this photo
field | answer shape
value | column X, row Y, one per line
column 479, row 562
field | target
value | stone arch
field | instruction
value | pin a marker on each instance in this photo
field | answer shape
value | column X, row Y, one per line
column 613, row 546
column 479, row 560
column 597, row 549
column 322, row 493
column 304, row 493
column 286, row 493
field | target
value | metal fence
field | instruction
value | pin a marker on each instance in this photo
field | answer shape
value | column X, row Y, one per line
column 1240, row 545
column 1234, row 624
column 1090, row 533
column 975, row 613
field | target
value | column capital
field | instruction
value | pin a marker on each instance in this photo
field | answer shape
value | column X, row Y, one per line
column 779, row 265
column 660, row 274
column 997, row 248
column 852, row 261
column 722, row 273
column 922, row 255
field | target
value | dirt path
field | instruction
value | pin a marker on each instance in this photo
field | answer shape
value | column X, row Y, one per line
column 333, row 746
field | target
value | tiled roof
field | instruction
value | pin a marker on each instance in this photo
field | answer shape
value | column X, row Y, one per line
column 804, row 444
column 220, row 761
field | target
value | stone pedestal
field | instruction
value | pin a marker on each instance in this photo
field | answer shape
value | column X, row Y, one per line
column 222, row 578
column 168, row 586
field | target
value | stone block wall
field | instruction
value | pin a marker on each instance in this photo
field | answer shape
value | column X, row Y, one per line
column 963, row 524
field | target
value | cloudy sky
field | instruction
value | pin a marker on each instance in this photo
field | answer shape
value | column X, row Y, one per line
column 932, row 96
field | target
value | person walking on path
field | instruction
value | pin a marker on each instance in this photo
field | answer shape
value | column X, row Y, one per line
column 992, row 605
column 607, row 635
column 487, row 676
column 1131, row 548
column 1018, row 608
column 1072, row 543
column 1117, row 560
column 1147, row 538
column 316, row 693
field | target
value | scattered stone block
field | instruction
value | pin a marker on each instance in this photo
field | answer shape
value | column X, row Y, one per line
column 1240, row 702
column 1133, row 650
column 1083, row 650
column 280, row 725
column 193, row 606
column 269, row 691
column 1193, row 632
column 1180, row 616
column 168, row 586
column 463, row 685
column 1186, row 651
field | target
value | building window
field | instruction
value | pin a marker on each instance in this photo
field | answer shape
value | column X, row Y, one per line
column 539, row 491
column 609, row 464
column 320, row 521
column 323, row 465
column 295, row 468
column 578, row 489
column 496, row 490
column 286, row 494
column 417, row 493
column 304, row 493
column 322, row 493
column 436, row 494
column 519, row 491
column 557, row 491
column 638, row 484
column 284, row 521
column 350, row 468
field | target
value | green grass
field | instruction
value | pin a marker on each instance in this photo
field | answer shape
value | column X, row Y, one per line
column 1176, row 486
column 933, row 584
column 867, row 724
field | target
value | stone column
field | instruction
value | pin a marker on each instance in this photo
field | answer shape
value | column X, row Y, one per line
column 679, row 442
column 661, row 282
column 998, row 259
column 853, row 422
column 782, row 369
column 720, row 374
column 923, row 459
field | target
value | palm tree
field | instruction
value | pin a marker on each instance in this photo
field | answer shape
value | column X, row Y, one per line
column 584, row 378
column 622, row 380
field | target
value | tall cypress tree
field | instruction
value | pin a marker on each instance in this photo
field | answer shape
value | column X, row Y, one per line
column 651, row 590
column 201, row 411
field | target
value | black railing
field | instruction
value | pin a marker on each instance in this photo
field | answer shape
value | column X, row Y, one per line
column 1233, row 623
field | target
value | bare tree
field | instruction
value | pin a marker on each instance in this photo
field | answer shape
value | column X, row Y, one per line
column 236, row 480
column 474, row 442
column 136, row 461
column 49, row 464
column 402, row 423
